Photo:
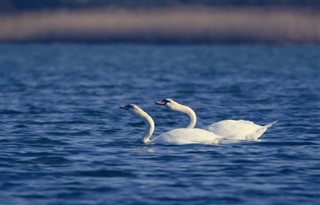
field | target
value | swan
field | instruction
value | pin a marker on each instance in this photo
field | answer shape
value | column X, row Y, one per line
column 226, row 129
column 174, row 137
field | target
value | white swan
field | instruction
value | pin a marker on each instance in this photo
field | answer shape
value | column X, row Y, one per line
column 176, row 136
column 227, row 129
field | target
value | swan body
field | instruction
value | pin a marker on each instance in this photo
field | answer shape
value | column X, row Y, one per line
column 174, row 137
column 238, row 129
column 226, row 129
column 186, row 136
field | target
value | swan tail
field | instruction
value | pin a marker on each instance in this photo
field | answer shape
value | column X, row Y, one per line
column 255, row 135
column 270, row 124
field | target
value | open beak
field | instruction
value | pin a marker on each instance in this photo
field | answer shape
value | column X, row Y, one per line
column 125, row 107
column 160, row 102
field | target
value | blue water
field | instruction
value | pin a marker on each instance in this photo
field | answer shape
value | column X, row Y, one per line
column 65, row 141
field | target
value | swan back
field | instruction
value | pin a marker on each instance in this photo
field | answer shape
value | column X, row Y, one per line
column 186, row 136
column 238, row 129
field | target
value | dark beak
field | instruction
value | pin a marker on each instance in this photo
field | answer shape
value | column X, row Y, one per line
column 125, row 107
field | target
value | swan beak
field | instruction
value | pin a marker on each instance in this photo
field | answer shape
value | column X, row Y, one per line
column 125, row 107
column 160, row 102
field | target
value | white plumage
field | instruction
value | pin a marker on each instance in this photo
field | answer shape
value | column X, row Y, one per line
column 238, row 129
column 186, row 136
column 174, row 137
column 226, row 129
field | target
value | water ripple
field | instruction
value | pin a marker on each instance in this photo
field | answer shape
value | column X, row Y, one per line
column 64, row 139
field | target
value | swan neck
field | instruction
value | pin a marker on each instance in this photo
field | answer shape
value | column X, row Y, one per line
column 191, row 114
column 149, row 129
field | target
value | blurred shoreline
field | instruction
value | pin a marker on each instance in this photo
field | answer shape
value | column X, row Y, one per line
column 269, row 25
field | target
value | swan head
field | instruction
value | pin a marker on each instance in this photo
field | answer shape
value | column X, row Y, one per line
column 173, row 105
column 133, row 109
column 137, row 111
column 169, row 103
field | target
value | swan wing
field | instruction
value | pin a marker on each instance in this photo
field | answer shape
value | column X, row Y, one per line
column 238, row 129
column 186, row 136
column 235, row 129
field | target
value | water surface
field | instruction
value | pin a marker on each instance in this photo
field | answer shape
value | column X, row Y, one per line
column 65, row 141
